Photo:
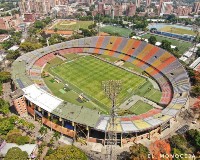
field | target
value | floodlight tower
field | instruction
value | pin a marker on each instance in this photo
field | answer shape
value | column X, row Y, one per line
column 112, row 89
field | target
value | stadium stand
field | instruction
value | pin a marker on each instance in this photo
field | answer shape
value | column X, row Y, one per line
column 160, row 65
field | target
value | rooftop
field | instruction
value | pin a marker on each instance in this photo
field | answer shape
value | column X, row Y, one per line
column 41, row 98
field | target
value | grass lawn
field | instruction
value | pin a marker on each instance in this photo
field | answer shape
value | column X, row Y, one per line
column 72, row 25
column 130, row 66
column 126, row 64
column 53, row 62
column 86, row 74
column 177, row 30
column 140, row 107
column 70, row 56
column 108, row 58
column 69, row 96
column 124, row 32
column 149, row 92
column 183, row 46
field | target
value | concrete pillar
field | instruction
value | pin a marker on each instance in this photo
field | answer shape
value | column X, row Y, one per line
column 149, row 135
column 160, row 129
column 51, row 117
column 74, row 131
column 121, row 140
column 62, row 127
column 105, row 139
column 88, row 133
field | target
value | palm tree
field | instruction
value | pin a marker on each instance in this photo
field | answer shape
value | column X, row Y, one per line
column 43, row 130
column 31, row 126
column 56, row 135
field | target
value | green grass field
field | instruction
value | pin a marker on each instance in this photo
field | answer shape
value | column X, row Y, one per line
column 140, row 107
column 148, row 92
column 177, row 30
column 124, row 32
column 183, row 46
column 86, row 74
column 71, row 25
column 126, row 64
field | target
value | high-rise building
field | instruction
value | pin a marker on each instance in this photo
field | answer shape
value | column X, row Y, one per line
column 117, row 10
column 183, row 11
column 196, row 7
column 137, row 2
column 39, row 7
column 131, row 9
column 101, row 7
column 166, row 8
column 148, row 3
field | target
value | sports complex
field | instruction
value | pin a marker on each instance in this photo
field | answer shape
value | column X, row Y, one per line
column 61, row 86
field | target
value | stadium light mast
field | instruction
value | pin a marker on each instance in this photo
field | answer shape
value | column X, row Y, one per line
column 112, row 89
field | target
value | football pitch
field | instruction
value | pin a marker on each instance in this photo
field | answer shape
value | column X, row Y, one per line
column 124, row 32
column 71, row 25
column 86, row 74
column 177, row 30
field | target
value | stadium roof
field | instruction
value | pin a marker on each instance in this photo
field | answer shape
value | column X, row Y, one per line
column 41, row 98
column 195, row 63
column 19, row 75
column 77, row 114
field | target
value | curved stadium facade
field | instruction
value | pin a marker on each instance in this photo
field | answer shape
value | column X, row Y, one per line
column 32, row 96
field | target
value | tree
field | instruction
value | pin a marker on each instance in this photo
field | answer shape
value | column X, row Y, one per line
column 5, row 77
column 56, row 38
column 12, row 135
column 55, row 29
column 178, row 152
column 29, row 46
column 4, row 107
column 152, row 40
column 16, row 153
column 56, row 135
column 132, row 34
column 51, row 142
column 160, row 147
column 166, row 45
column 178, row 141
column 7, row 44
column 12, row 55
column 92, row 26
column 153, row 29
column 5, row 126
column 193, row 136
column 86, row 32
column 172, row 18
column 21, row 140
column 138, row 151
column 39, row 24
column 2, row 31
column 43, row 130
column 31, row 126
column 67, row 153
column 195, row 91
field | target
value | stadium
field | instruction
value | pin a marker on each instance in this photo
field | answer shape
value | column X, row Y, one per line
column 66, row 95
